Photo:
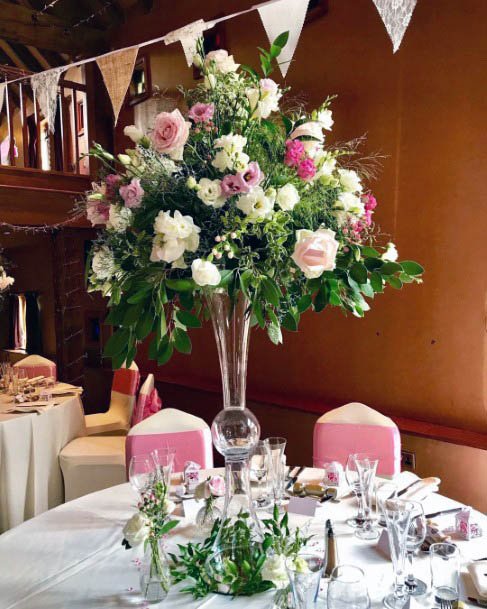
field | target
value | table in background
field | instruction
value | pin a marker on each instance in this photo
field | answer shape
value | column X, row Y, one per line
column 72, row 558
column 31, row 480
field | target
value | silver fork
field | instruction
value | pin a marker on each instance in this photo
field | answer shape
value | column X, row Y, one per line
column 446, row 604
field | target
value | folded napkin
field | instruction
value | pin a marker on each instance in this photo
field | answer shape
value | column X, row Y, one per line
column 478, row 573
column 35, row 380
column 421, row 489
column 38, row 407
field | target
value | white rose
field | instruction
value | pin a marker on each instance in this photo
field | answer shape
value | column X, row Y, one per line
column 325, row 119
column 5, row 280
column 179, row 264
column 274, row 570
column 210, row 192
column 178, row 227
column 134, row 133
column 391, row 254
column 103, row 263
column 205, row 273
column 315, row 252
column 287, row 197
column 168, row 250
column 350, row 203
column 137, row 530
column 221, row 61
column 119, row 218
column 349, row 180
column 231, row 143
column 255, row 204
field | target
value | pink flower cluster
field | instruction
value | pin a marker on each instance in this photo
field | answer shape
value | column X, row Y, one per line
column 243, row 181
column 296, row 157
column 97, row 212
column 356, row 228
column 370, row 204
column 201, row 113
column 112, row 182
column 132, row 193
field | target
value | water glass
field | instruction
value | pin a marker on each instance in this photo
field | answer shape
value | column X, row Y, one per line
column 276, row 447
column 163, row 459
column 445, row 569
column 353, row 481
column 366, row 466
column 141, row 473
column 383, row 491
column 347, row 588
column 304, row 574
column 414, row 540
column 259, row 468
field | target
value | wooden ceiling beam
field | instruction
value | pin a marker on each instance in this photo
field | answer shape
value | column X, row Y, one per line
column 8, row 50
column 36, row 54
column 21, row 24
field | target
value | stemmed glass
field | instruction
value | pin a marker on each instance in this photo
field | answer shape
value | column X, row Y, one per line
column 415, row 537
column 259, row 466
column 366, row 467
column 347, row 589
column 398, row 517
column 163, row 459
column 304, row 574
column 141, row 473
column 383, row 491
column 353, row 481
column 276, row 448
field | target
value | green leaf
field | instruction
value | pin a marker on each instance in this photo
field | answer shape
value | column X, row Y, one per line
column 274, row 333
column 373, row 263
column 161, row 328
column 304, row 303
column 119, row 359
column 376, row 282
column 153, row 349
column 288, row 125
column 290, row 323
column 367, row 289
column 117, row 342
column 140, row 296
column 226, row 278
column 358, row 272
column 187, row 300
column 412, row 268
column 259, row 316
column 271, row 291
column 144, row 325
column 180, row 285
column 132, row 314
column 394, row 282
column 188, row 319
column 322, row 298
column 165, row 354
column 369, row 251
column 389, row 268
column 249, row 70
column 245, row 279
column 281, row 40
column 168, row 526
column 182, row 342
column 335, row 299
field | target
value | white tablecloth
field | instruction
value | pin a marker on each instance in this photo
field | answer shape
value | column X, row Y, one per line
column 72, row 558
column 31, row 481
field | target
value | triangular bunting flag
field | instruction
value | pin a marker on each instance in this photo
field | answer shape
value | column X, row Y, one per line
column 396, row 15
column 3, row 86
column 188, row 37
column 280, row 16
column 117, row 69
column 44, row 86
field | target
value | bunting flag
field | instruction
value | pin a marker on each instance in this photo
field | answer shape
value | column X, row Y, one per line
column 284, row 16
column 44, row 85
column 396, row 15
column 188, row 37
column 117, row 69
column 3, row 86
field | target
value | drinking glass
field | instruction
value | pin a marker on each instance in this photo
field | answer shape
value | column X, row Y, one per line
column 383, row 491
column 366, row 466
column 445, row 568
column 163, row 459
column 347, row 588
column 414, row 539
column 304, row 574
column 259, row 467
column 398, row 516
column 353, row 481
column 141, row 473
column 276, row 447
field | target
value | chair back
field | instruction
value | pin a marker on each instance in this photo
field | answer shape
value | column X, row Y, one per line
column 189, row 435
column 148, row 401
column 356, row 428
column 36, row 365
column 124, row 390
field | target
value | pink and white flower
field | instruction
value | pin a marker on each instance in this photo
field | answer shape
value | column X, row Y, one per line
column 233, row 185
column 315, row 252
column 97, row 212
column 132, row 193
column 201, row 113
column 170, row 134
column 252, row 176
column 306, row 169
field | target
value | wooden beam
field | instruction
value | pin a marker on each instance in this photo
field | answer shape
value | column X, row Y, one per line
column 36, row 54
column 8, row 50
column 23, row 25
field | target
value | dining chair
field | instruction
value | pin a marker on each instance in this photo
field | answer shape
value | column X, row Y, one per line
column 189, row 435
column 116, row 421
column 357, row 428
column 148, row 401
column 36, row 365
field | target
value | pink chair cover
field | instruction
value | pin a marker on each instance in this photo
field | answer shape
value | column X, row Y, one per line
column 35, row 365
column 148, row 402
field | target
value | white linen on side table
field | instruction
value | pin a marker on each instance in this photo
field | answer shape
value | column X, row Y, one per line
column 30, row 477
column 72, row 558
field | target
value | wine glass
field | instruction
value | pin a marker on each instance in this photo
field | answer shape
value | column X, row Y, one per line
column 347, row 588
column 163, row 459
column 141, row 473
column 366, row 466
column 276, row 447
column 259, row 466
column 383, row 491
column 353, row 480
column 415, row 537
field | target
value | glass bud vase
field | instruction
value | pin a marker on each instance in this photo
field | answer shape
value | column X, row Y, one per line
column 235, row 430
column 155, row 575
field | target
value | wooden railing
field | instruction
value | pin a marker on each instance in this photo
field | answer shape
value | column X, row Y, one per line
column 25, row 138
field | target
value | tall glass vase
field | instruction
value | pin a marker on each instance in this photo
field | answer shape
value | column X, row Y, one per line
column 235, row 430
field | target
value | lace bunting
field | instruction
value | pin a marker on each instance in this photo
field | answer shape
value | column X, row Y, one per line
column 45, row 86
column 188, row 37
column 396, row 15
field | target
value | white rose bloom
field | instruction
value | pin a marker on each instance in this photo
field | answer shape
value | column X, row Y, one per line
column 221, row 61
column 5, row 280
column 137, row 530
column 119, row 218
column 231, row 143
column 287, row 197
column 192, row 242
column 168, row 250
column 178, row 227
column 103, row 263
column 349, row 180
column 274, row 570
column 205, row 273
column 325, row 119
column 391, row 254
column 255, row 204
column 179, row 264
column 350, row 203
column 210, row 192
column 134, row 133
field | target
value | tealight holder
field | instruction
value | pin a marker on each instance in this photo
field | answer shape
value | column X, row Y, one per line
column 333, row 474
column 191, row 476
column 466, row 526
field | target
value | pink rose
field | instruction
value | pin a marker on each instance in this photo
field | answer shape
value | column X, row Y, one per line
column 233, row 185
column 112, row 181
column 315, row 252
column 252, row 176
column 170, row 134
column 216, row 484
column 294, row 152
column 132, row 193
column 201, row 113
column 306, row 169
column 97, row 212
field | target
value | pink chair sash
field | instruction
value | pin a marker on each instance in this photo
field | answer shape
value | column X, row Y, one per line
column 38, row 370
column 147, row 405
column 190, row 446
column 126, row 381
column 336, row 441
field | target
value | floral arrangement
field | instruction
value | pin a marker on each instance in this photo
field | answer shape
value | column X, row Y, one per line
column 237, row 194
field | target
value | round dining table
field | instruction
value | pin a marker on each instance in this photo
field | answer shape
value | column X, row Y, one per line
column 72, row 557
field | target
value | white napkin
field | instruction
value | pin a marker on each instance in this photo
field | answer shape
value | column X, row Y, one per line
column 422, row 489
column 35, row 380
column 478, row 573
